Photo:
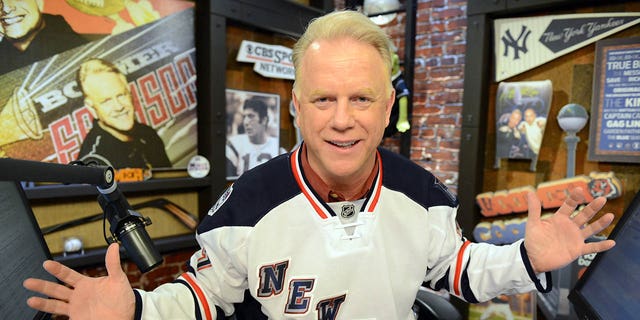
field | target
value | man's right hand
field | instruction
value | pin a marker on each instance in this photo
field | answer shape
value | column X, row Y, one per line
column 83, row 297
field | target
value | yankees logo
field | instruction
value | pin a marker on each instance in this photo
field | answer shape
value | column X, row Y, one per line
column 518, row 45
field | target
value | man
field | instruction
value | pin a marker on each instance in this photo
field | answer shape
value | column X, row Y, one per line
column 533, row 128
column 29, row 36
column 338, row 229
column 509, row 140
column 116, row 139
column 254, row 146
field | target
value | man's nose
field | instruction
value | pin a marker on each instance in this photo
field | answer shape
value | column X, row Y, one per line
column 343, row 117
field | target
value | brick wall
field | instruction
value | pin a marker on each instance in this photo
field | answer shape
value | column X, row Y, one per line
column 438, row 83
column 173, row 265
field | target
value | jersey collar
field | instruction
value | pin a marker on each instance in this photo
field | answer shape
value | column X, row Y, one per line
column 311, row 188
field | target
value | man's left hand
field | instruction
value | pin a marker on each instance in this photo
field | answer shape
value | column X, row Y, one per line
column 556, row 241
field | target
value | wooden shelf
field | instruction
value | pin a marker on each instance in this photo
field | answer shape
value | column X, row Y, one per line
column 75, row 190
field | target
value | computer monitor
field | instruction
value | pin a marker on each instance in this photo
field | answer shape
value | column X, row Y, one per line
column 23, row 250
column 610, row 287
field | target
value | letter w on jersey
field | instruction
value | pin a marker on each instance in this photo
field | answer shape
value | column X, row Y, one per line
column 328, row 308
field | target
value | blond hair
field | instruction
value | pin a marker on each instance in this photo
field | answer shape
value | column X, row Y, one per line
column 95, row 66
column 344, row 24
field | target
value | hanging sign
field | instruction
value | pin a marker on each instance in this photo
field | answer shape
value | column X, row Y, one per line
column 552, row 194
column 271, row 61
column 522, row 44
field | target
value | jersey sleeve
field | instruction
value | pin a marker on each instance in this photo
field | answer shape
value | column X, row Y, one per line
column 478, row 272
column 215, row 280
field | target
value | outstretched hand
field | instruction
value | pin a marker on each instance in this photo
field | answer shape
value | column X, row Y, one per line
column 554, row 242
column 109, row 297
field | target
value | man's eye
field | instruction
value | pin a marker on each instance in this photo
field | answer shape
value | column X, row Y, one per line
column 323, row 102
column 361, row 101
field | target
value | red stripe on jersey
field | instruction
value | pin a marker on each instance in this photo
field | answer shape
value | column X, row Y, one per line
column 376, row 192
column 200, row 294
column 456, row 280
column 204, row 267
column 307, row 194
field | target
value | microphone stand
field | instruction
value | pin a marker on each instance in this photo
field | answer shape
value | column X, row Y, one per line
column 127, row 225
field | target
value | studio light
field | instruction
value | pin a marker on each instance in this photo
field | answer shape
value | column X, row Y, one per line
column 374, row 7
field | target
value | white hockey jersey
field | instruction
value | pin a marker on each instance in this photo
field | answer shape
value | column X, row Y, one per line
column 248, row 155
column 271, row 248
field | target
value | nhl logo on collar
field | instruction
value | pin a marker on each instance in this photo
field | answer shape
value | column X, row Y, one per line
column 348, row 210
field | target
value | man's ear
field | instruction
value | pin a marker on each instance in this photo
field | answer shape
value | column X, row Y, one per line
column 296, row 105
column 89, row 104
column 390, row 102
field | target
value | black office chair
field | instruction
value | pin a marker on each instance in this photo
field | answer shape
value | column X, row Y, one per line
column 430, row 305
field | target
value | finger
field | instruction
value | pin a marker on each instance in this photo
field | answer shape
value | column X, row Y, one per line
column 112, row 260
column 575, row 198
column 48, row 288
column 597, row 225
column 534, row 207
column 595, row 247
column 62, row 272
column 49, row 305
column 589, row 211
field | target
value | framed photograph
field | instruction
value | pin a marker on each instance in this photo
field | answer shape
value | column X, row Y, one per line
column 521, row 118
column 253, row 130
column 614, row 134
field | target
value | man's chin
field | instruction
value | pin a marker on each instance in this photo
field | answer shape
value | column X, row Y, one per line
column 14, row 36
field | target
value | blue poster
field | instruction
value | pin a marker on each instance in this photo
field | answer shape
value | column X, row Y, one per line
column 615, row 128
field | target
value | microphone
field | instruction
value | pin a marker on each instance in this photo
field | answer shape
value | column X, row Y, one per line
column 127, row 225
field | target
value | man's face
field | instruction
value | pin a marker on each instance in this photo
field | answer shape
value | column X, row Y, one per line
column 514, row 119
column 107, row 94
column 529, row 116
column 19, row 18
column 343, row 100
column 252, row 124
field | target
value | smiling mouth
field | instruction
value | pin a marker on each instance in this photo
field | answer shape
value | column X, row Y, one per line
column 7, row 21
column 343, row 144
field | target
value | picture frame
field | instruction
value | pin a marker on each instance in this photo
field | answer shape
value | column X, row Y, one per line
column 253, row 130
column 614, row 134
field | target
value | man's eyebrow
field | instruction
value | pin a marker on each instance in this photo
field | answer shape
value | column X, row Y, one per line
column 316, row 93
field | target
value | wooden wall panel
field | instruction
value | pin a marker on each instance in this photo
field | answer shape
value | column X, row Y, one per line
column 240, row 75
column 571, row 84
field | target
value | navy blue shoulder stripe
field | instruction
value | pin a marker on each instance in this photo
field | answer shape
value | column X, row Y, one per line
column 403, row 175
column 253, row 195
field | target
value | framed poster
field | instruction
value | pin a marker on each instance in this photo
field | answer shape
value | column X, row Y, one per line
column 615, row 104
column 58, row 105
column 253, row 130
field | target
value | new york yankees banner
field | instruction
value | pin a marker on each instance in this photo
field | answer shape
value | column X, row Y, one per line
column 522, row 44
